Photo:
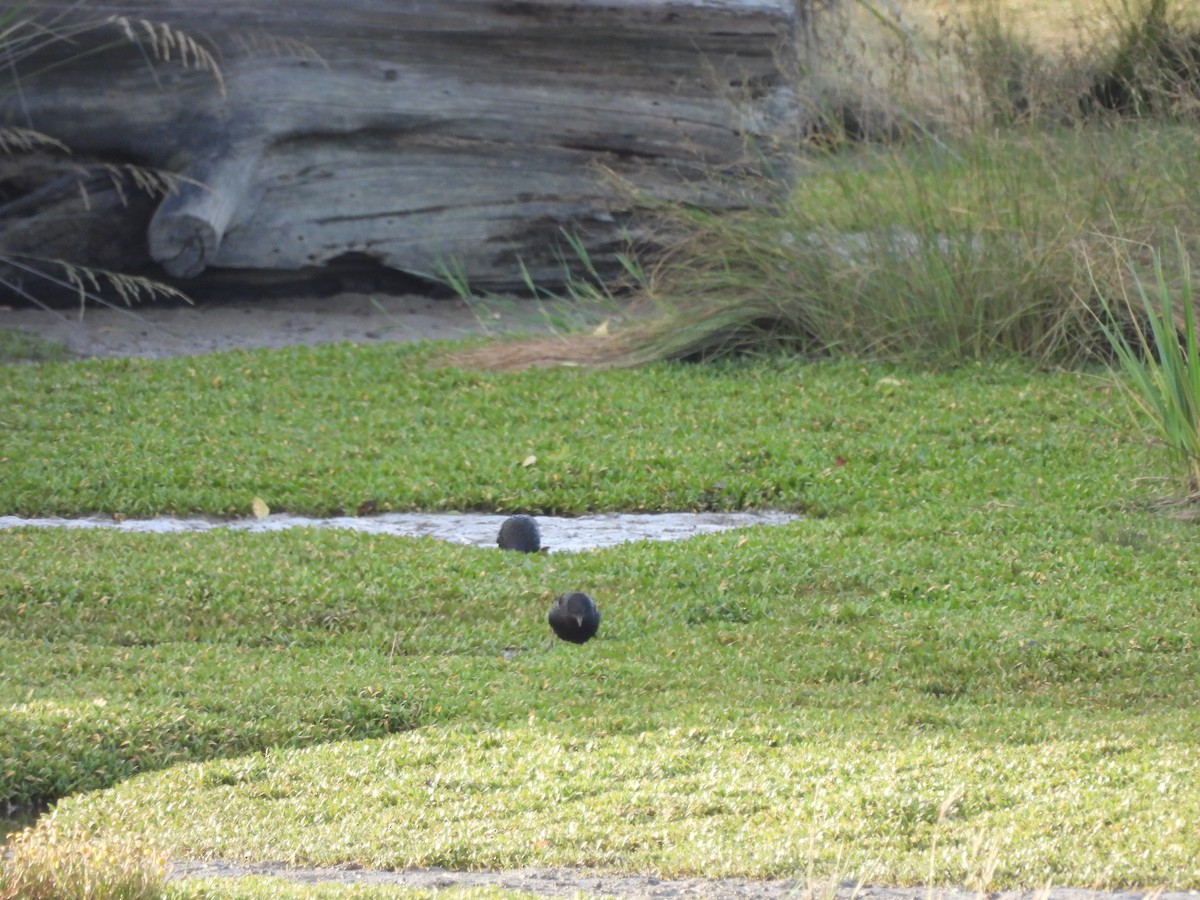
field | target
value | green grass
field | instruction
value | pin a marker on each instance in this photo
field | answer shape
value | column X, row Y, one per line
column 976, row 615
column 711, row 801
column 312, row 431
column 21, row 346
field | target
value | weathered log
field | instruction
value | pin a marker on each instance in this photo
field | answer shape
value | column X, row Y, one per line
column 186, row 231
column 416, row 132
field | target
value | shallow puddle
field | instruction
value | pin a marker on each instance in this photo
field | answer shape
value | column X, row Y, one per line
column 558, row 533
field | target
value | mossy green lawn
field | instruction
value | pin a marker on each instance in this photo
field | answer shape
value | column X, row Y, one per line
column 976, row 642
column 311, row 431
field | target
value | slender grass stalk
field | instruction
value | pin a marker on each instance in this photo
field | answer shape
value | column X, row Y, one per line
column 586, row 300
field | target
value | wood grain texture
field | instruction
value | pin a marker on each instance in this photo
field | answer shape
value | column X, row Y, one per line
column 418, row 131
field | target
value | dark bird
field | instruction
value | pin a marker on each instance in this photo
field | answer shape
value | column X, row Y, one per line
column 520, row 533
column 574, row 617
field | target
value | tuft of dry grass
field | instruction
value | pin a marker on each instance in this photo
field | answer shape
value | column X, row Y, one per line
column 169, row 44
column 51, row 863
column 592, row 351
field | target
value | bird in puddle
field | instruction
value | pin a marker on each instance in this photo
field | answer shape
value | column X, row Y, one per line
column 574, row 617
column 520, row 533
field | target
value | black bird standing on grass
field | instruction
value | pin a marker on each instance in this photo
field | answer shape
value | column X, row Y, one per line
column 520, row 533
column 574, row 617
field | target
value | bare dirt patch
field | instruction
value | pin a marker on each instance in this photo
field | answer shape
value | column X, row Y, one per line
column 159, row 330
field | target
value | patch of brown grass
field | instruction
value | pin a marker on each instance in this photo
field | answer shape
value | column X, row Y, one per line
column 1050, row 25
column 592, row 351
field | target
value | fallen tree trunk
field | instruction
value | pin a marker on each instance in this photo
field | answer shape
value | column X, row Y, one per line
column 186, row 232
column 418, row 133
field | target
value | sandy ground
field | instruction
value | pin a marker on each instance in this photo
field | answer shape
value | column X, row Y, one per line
column 161, row 330
column 158, row 330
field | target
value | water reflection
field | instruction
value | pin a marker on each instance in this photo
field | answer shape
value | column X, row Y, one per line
column 558, row 533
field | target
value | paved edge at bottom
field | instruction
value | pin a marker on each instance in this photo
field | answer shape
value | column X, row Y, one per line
column 565, row 882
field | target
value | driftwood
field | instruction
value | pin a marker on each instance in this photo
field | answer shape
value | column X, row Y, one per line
column 415, row 132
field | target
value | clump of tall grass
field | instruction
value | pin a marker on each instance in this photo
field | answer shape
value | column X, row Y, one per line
column 51, row 863
column 1154, row 68
column 1154, row 339
column 969, row 238
column 975, row 250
